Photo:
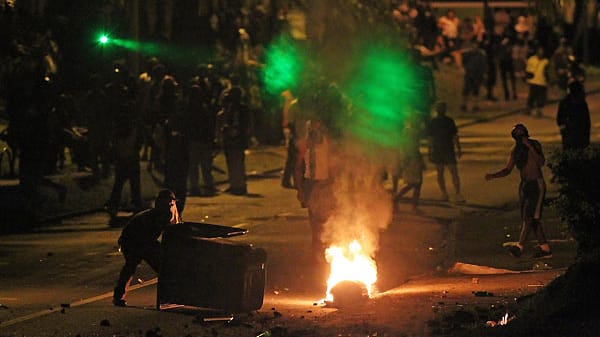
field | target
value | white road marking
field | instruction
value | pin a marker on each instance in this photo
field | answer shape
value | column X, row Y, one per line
column 72, row 305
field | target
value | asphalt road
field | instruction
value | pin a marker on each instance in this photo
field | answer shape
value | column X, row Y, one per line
column 58, row 280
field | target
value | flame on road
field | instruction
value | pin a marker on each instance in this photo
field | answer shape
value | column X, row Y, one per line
column 350, row 263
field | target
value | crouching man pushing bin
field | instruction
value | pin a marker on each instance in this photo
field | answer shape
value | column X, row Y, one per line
column 139, row 240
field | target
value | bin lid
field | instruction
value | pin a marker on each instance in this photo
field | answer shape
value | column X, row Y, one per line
column 206, row 230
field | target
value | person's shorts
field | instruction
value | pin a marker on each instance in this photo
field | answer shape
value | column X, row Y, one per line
column 443, row 157
column 531, row 197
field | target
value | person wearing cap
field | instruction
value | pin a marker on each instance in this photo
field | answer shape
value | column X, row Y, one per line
column 528, row 157
column 139, row 240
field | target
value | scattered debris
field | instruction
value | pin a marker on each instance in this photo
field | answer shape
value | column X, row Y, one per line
column 65, row 305
column 104, row 322
column 541, row 266
column 274, row 332
column 466, row 268
column 483, row 294
column 62, row 311
column 503, row 321
column 218, row 319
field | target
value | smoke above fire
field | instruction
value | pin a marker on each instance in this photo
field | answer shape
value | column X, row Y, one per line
column 363, row 207
column 351, row 68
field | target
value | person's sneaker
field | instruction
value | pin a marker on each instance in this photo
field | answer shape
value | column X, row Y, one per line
column 119, row 302
column 542, row 254
column 514, row 251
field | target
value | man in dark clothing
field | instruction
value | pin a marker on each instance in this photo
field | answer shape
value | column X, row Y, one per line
column 573, row 118
column 177, row 157
column 443, row 139
column 139, row 240
column 289, row 131
column 201, row 132
column 474, row 64
column 490, row 46
column 234, row 128
column 127, row 143
column 99, row 126
column 528, row 157
column 507, row 67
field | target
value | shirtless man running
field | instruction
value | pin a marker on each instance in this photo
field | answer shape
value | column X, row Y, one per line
column 528, row 157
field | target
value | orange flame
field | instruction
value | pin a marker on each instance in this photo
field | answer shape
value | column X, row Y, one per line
column 350, row 264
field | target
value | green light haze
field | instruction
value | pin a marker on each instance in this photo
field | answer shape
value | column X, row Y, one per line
column 383, row 91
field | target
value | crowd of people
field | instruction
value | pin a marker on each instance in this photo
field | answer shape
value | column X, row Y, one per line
column 178, row 117
column 175, row 116
column 502, row 42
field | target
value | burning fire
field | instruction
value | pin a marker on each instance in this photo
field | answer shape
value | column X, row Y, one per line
column 350, row 264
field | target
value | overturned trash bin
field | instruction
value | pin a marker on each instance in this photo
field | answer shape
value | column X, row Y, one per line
column 200, row 267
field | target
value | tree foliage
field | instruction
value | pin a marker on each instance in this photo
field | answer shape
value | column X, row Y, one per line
column 578, row 203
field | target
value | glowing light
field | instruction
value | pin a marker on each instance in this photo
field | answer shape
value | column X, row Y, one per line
column 350, row 264
column 385, row 88
column 283, row 66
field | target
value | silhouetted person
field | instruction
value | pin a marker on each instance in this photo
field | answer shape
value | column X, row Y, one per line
column 127, row 142
column 443, row 140
column 139, row 240
column 573, row 118
column 412, row 163
column 528, row 157
column 289, row 132
column 28, row 110
column 507, row 68
column 234, row 122
column 537, row 78
column 201, row 131
column 99, row 126
column 473, row 62
column 165, row 105
column 177, row 157
column 314, row 175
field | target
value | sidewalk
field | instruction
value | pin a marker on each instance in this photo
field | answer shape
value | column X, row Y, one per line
column 86, row 195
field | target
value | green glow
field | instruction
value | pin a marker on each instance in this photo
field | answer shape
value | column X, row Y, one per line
column 284, row 64
column 142, row 47
column 384, row 90
column 164, row 51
